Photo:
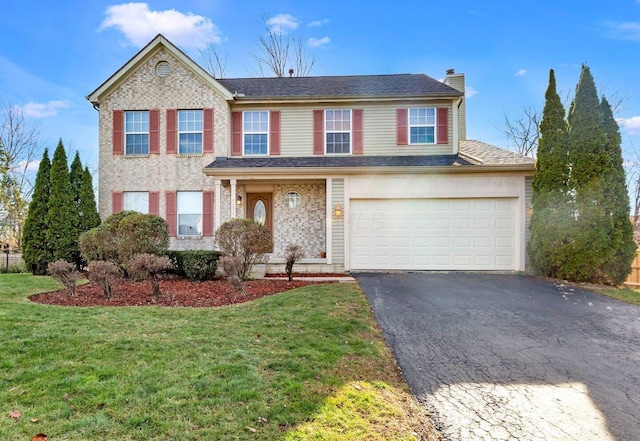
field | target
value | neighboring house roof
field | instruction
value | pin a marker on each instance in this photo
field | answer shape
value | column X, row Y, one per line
column 487, row 154
column 355, row 86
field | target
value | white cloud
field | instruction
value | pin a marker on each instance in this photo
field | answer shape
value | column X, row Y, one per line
column 43, row 110
column 469, row 92
column 318, row 23
column 139, row 25
column 631, row 124
column 282, row 23
column 625, row 31
column 29, row 166
column 521, row 72
column 318, row 42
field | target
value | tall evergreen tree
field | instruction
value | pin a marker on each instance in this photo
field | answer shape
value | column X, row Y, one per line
column 62, row 216
column 551, row 218
column 89, row 217
column 36, row 251
column 623, row 246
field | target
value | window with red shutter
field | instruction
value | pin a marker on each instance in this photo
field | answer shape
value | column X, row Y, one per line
column 207, row 135
column 274, row 132
column 171, row 212
column 402, row 130
column 154, row 132
column 172, row 127
column 116, row 202
column 358, row 147
column 443, row 125
column 207, row 213
column 117, row 132
column 236, row 133
column 318, row 132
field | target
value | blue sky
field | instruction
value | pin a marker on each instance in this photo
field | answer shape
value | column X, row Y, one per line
column 53, row 54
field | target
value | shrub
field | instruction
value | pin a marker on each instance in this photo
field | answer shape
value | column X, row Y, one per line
column 65, row 273
column 104, row 274
column 232, row 267
column 149, row 267
column 195, row 265
column 293, row 254
column 247, row 241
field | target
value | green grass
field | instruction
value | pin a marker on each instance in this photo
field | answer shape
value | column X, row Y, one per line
column 624, row 294
column 270, row 369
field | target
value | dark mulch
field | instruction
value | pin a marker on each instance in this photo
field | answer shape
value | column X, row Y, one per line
column 175, row 292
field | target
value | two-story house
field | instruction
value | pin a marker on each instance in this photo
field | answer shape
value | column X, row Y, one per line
column 366, row 172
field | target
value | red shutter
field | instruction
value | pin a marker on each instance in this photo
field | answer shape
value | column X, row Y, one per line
column 154, row 132
column 116, row 202
column 171, row 212
column 402, row 131
column 318, row 132
column 357, row 132
column 207, row 213
column 274, row 132
column 154, row 203
column 172, row 126
column 207, row 135
column 443, row 125
column 117, row 135
column 236, row 133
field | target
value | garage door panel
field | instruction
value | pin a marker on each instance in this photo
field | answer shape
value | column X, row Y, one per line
column 433, row 234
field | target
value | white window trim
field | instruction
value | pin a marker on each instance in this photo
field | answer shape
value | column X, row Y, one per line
column 179, row 213
column 256, row 133
column 435, row 125
column 125, row 132
column 350, row 132
column 180, row 132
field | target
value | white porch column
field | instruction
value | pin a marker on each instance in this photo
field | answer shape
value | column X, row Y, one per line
column 217, row 218
column 233, row 205
column 329, row 223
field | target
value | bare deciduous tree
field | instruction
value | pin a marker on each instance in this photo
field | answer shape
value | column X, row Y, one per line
column 21, row 146
column 280, row 51
column 214, row 62
column 523, row 132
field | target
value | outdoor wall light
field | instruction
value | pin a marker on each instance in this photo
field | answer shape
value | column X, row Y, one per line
column 239, row 200
column 337, row 210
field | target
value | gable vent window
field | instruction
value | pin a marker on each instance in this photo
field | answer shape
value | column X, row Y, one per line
column 163, row 69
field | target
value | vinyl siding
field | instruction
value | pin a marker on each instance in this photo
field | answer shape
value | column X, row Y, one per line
column 337, row 239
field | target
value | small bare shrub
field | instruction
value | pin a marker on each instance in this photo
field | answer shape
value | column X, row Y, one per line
column 104, row 274
column 246, row 240
column 65, row 273
column 149, row 267
column 232, row 267
column 293, row 254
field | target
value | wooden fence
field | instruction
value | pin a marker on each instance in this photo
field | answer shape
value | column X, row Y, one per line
column 634, row 277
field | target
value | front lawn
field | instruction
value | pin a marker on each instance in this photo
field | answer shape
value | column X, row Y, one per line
column 305, row 364
column 624, row 294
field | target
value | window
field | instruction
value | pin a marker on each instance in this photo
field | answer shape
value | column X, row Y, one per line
column 256, row 133
column 189, row 213
column 190, row 132
column 136, row 201
column 292, row 199
column 338, row 131
column 136, row 128
column 422, row 125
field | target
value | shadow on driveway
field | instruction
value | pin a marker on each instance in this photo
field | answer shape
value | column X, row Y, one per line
column 511, row 356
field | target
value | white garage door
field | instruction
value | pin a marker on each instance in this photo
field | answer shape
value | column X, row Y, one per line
column 433, row 234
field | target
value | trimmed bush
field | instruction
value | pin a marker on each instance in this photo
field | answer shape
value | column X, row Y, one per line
column 246, row 240
column 196, row 265
column 293, row 254
column 149, row 267
column 104, row 274
column 65, row 273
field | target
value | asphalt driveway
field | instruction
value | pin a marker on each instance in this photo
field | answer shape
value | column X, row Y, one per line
column 510, row 357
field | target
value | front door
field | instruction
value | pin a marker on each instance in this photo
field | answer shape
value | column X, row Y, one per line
column 260, row 208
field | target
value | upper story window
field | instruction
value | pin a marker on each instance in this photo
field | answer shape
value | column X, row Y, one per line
column 256, row 132
column 136, row 128
column 190, row 132
column 338, row 131
column 136, row 201
column 422, row 125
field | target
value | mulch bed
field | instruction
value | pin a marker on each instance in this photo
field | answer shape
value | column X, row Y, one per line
column 175, row 292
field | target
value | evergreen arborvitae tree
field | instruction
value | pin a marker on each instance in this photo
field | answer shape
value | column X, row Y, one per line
column 62, row 216
column 591, row 235
column 551, row 219
column 87, row 207
column 36, row 251
column 623, row 245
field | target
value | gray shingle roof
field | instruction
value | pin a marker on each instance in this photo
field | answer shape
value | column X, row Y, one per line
column 399, row 85
column 337, row 162
column 491, row 155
